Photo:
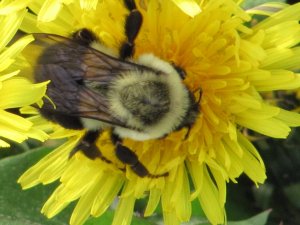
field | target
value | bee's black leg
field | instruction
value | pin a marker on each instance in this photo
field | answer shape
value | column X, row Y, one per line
column 84, row 37
column 88, row 146
column 128, row 157
column 132, row 27
column 130, row 4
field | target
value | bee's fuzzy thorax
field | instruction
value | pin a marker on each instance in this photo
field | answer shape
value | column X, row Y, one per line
column 176, row 93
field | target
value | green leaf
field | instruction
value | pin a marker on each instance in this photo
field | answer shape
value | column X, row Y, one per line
column 107, row 218
column 263, row 195
column 260, row 219
column 22, row 207
column 292, row 192
column 18, row 207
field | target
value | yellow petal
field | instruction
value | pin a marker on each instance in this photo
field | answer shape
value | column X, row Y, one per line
column 170, row 218
column 190, row 7
column 14, row 122
column 49, row 10
column 18, row 92
column 107, row 191
column 271, row 127
column 9, row 133
column 83, row 207
column 88, row 4
column 292, row 119
column 4, row 144
column 55, row 159
column 181, row 195
column 14, row 50
column 9, row 25
column 210, row 202
column 124, row 211
column 7, row 76
column 153, row 201
column 267, row 9
column 8, row 7
column 279, row 80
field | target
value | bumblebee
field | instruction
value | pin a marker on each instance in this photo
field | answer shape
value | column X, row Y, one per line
column 92, row 89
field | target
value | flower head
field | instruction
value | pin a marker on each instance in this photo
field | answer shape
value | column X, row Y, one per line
column 231, row 63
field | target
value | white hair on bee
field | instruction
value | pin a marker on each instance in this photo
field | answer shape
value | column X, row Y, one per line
column 178, row 96
column 104, row 49
column 92, row 124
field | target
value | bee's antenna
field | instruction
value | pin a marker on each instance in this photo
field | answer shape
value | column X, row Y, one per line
column 200, row 94
column 187, row 133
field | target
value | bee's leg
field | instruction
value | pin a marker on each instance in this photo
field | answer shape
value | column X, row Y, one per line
column 132, row 27
column 130, row 4
column 84, row 37
column 128, row 157
column 88, row 146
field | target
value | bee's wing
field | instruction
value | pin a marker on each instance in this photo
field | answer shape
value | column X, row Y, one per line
column 70, row 66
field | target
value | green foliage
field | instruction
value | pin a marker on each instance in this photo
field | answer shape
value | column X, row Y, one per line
column 259, row 219
column 292, row 193
column 19, row 207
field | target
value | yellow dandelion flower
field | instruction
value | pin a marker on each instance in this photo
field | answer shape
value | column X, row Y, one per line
column 16, row 91
column 232, row 64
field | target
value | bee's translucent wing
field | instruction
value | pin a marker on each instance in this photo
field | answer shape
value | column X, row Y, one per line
column 70, row 66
